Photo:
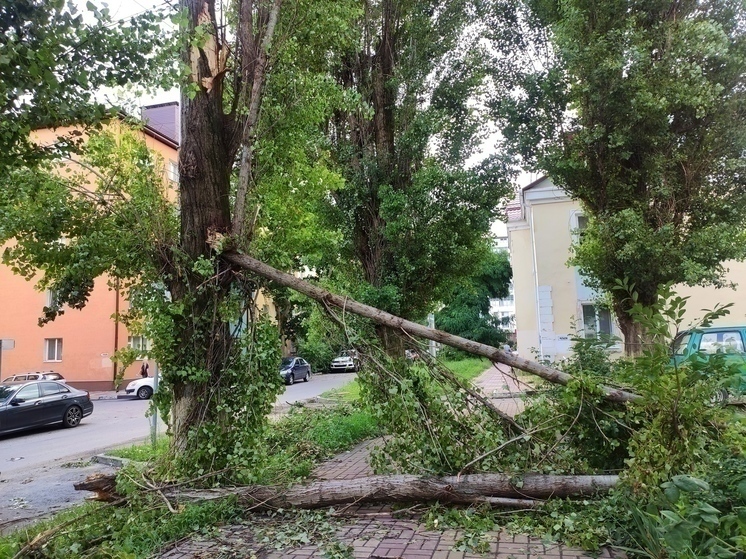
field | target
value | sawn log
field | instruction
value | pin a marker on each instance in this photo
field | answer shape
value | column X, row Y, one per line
column 494, row 489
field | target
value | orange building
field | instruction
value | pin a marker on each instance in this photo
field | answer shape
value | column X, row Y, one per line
column 78, row 344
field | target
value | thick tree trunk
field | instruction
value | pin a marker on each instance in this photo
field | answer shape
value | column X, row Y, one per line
column 635, row 338
column 206, row 156
column 390, row 321
column 391, row 340
column 495, row 489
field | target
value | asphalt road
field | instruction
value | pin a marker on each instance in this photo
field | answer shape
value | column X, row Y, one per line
column 38, row 468
column 317, row 385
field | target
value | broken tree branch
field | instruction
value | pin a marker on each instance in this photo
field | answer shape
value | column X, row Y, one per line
column 386, row 319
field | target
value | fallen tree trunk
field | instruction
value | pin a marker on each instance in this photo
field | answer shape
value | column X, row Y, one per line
column 494, row 489
column 380, row 317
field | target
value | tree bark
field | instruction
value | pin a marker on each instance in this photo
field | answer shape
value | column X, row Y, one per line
column 255, row 51
column 385, row 319
column 634, row 334
column 211, row 136
column 493, row 489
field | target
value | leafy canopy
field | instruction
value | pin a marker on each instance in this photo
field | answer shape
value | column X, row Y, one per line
column 467, row 311
column 639, row 112
column 54, row 58
column 412, row 211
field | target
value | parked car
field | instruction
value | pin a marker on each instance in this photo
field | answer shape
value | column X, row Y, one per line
column 295, row 368
column 47, row 375
column 702, row 344
column 142, row 388
column 24, row 405
column 411, row 354
column 346, row 362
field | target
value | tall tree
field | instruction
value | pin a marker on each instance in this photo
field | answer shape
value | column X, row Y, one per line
column 466, row 312
column 216, row 371
column 640, row 113
column 232, row 71
column 411, row 212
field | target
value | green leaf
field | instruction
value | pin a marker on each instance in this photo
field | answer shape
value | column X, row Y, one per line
column 690, row 484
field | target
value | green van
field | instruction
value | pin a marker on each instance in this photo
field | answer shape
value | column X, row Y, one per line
column 728, row 342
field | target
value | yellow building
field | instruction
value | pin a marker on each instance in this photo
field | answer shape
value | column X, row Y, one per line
column 552, row 303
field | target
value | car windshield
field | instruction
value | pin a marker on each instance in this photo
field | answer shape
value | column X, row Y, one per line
column 6, row 391
column 681, row 343
column 286, row 362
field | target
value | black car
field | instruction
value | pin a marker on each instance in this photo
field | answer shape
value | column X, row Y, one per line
column 24, row 405
column 295, row 368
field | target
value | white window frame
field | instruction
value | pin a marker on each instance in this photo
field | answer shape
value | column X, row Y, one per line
column 173, row 171
column 575, row 217
column 597, row 335
column 141, row 344
column 52, row 298
column 57, row 350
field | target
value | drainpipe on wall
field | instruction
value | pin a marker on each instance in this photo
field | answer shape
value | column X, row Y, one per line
column 116, row 331
column 535, row 265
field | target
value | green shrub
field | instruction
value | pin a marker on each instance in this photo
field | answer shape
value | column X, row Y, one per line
column 300, row 441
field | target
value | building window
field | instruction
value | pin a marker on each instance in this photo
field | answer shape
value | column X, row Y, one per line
column 53, row 298
column 140, row 344
column 582, row 223
column 173, row 171
column 509, row 301
column 53, row 349
column 578, row 225
column 596, row 322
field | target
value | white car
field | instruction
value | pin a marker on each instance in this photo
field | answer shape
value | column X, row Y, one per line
column 142, row 388
column 346, row 363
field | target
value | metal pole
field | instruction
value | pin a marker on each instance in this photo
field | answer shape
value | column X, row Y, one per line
column 431, row 344
column 154, row 417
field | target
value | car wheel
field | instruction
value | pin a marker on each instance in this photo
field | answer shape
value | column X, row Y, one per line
column 307, row 377
column 291, row 379
column 72, row 417
column 144, row 392
column 720, row 396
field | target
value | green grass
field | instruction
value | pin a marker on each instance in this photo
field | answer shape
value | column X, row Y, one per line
column 137, row 529
column 348, row 393
column 143, row 452
column 465, row 369
column 305, row 438
column 468, row 369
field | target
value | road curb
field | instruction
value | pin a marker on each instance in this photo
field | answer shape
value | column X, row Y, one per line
column 113, row 461
column 104, row 396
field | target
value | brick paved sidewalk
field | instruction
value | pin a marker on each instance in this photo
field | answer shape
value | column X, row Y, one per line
column 378, row 532
column 506, row 390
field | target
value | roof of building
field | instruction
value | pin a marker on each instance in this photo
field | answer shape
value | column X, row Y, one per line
column 537, row 182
